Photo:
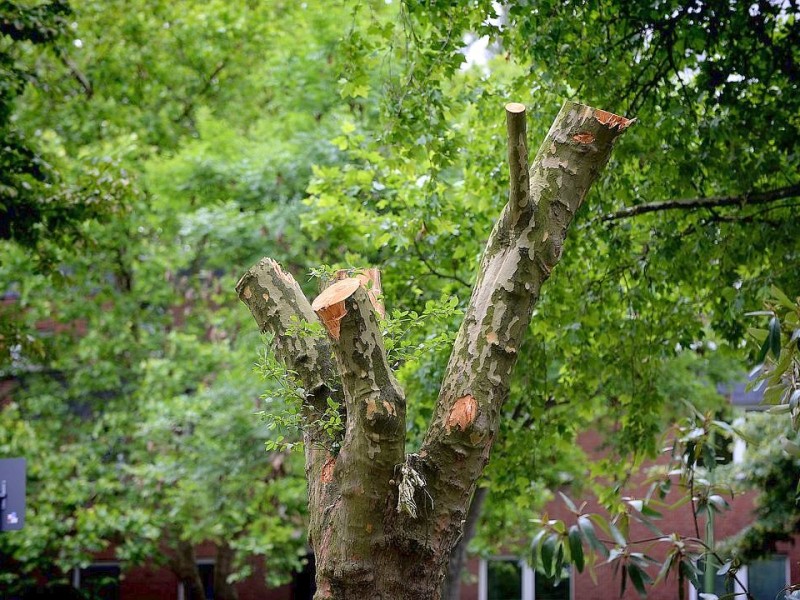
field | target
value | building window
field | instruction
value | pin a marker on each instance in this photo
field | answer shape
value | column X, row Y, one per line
column 764, row 579
column 512, row 579
column 303, row 584
column 206, row 569
column 550, row 589
column 99, row 581
column 767, row 577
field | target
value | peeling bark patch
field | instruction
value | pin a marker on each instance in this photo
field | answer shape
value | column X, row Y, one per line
column 612, row 120
column 389, row 408
column 287, row 277
column 327, row 470
column 247, row 293
column 476, row 438
column 265, row 296
column 553, row 162
column 372, row 408
column 491, row 337
column 583, row 138
column 463, row 413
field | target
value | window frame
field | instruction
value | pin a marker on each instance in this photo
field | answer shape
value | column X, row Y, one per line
column 528, row 578
column 198, row 562
column 75, row 579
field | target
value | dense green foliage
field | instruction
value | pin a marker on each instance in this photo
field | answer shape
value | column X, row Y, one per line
column 153, row 151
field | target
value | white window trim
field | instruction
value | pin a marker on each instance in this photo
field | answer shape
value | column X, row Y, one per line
column 199, row 561
column 741, row 574
column 739, row 445
column 76, row 572
column 528, row 578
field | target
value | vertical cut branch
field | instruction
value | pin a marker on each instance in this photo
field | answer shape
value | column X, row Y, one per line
column 374, row 439
column 519, row 180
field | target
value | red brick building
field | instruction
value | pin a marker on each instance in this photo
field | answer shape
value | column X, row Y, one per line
column 505, row 577
column 509, row 578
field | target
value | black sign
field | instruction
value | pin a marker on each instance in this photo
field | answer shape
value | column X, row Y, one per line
column 12, row 493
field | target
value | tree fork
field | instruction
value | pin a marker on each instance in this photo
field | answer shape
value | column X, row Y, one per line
column 365, row 547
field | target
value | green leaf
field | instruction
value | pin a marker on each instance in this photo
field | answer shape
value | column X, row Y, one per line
column 689, row 570
column 617, row 535
column 570, row 504
column 791, row 448
column 782, row 298
column 576, row 548
column 774, row 337
column 667, row 565
column 638, row 578
column 537, row 540
column 587, row 530
column 762, row 352
column 548, row 554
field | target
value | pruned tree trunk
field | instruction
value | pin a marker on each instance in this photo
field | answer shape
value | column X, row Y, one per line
column 383, row 523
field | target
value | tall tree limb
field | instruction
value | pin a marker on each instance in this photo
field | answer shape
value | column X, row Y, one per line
column 751, row 199
column 524, row 246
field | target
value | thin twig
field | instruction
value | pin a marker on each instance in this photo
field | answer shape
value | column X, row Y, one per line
column 747, row 199
column 433, row 271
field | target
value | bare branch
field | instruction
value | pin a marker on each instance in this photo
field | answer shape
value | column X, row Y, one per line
column 519, row 193
column 749, row 199
column 77, row 74
column 375, row 403
column 188, row 106
column 278, row 306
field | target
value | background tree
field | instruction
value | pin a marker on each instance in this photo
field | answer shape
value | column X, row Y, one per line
column 124, row 381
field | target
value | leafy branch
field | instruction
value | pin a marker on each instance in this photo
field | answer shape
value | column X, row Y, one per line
column 693, row 455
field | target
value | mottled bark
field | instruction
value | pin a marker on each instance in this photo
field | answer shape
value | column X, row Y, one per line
column 278, row 305
column 384, row 524
column 372, row 448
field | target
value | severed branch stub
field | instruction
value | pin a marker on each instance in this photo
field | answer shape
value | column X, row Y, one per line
column 329, row 305
column 370, row 278
column 519, row 179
